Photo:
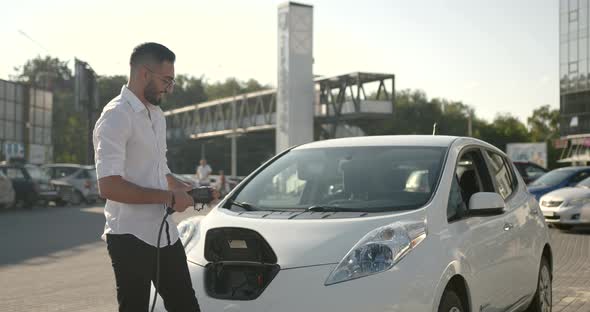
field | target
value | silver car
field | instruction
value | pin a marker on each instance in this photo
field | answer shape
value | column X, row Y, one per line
column 567, row 207
column 82, row 178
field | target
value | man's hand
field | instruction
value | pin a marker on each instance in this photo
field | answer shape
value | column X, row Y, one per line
column 182, row 200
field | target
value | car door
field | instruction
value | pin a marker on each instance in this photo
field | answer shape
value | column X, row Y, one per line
column 481, row 239
column 519, row 241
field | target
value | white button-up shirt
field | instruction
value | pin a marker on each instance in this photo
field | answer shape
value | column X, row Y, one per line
column 130, row 141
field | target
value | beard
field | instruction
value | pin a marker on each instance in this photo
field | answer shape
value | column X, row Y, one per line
column 152, row 94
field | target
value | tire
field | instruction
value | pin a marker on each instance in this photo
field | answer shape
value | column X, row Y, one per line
column 76, row 198
column 450, row 302
column 543, row 299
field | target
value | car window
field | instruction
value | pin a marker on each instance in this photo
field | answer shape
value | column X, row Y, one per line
column 552, row 177
column 502, row 175
column 62, row 172
column 37, row 173
column 369, row 178
column 92, row 174
column 83, row 174
column 472, row 174
column 456, row 207
column 579, row 177
column 534, row 171
column 15, row 173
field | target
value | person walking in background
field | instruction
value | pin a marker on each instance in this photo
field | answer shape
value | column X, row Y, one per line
column 222, row 184
column 203, row 172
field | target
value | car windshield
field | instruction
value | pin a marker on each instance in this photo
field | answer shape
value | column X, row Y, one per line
column 584, row 183
column 552, row 178
column 368, row 179
column 36, row 173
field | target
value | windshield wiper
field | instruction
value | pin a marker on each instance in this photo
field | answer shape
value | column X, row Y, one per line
column 320, row 208
column 243, row 205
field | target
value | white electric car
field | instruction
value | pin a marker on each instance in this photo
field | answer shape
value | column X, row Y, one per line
column 391, row 223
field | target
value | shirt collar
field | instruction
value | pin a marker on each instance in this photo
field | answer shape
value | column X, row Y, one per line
column 130, row 97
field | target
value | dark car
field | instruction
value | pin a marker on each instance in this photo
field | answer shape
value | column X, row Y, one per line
column 529, row 170
column 31, row 184
column 558, row 178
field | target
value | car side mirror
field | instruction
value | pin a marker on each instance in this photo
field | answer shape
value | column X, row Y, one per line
column 486, row 204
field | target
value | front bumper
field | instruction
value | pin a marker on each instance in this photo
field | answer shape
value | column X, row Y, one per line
column 48, row 195
column 567, row 215
column 302, row 289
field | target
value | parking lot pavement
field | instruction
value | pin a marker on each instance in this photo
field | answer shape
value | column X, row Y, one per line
column 571, row 283
column 53, row 260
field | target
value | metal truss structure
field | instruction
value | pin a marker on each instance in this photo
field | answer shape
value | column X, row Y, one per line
column 339, row 100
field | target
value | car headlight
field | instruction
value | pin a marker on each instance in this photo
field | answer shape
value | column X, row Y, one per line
column 578, row 202
column 378, row 251
column 188, row 232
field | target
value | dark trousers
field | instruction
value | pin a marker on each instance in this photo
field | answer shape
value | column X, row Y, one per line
column 134, row 263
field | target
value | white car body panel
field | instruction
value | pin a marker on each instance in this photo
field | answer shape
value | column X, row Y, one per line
column 499, row 263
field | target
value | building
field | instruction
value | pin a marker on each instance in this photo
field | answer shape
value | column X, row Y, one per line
column 25, row 123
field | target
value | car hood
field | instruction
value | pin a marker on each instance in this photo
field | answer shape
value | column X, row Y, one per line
column 323, row 239
column 567, row 193
column 540, row 189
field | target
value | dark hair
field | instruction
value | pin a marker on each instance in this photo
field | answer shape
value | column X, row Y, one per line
column 151, row 52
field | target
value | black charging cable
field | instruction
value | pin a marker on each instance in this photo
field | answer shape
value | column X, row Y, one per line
column 169, row 211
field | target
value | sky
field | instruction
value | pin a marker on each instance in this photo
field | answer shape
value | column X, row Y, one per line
column 497, row 56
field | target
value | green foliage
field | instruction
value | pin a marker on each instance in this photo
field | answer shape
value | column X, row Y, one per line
column 414, row 112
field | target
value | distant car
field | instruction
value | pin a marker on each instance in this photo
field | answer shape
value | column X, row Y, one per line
column 81, row 178
column 7, row 194
column 391, row 223
column 529, row 171
column 31, row 184
column 568, row 206
column 558, row 178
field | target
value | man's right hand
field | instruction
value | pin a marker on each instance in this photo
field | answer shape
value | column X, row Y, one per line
column 182, row 200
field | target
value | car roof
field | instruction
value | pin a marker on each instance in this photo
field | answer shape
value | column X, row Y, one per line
column 65, row 165
column 384, row 140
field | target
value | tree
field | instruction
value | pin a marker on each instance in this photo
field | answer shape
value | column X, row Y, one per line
column 69, row 126
column 109, row 87
column 188, row 90
column 544, row 124
column 48, row 73
column 544, row 127
column 504, row 129
column 231, row 87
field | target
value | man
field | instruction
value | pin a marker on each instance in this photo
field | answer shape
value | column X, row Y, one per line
column 133, row 175
column 203, row 172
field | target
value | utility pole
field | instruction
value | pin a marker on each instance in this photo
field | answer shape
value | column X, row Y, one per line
column 470, row 122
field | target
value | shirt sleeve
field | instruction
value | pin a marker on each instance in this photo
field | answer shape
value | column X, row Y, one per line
column 111, row 133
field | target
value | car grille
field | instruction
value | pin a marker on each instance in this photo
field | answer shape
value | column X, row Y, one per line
column 553, row 217
column 550, row 203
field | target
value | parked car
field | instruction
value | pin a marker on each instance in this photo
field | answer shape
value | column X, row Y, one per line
column 81, row 178
column 567, row 207
column 529, row 170
column 30, row 183
column 558, row 178
column 346, row 225
column 7, row 194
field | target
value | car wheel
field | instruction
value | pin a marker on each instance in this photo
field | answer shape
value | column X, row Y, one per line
column 76, row 198
column 543, row 299
column 450, row 302
column 564, row 227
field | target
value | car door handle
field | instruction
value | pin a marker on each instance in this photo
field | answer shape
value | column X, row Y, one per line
column 508, row 226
